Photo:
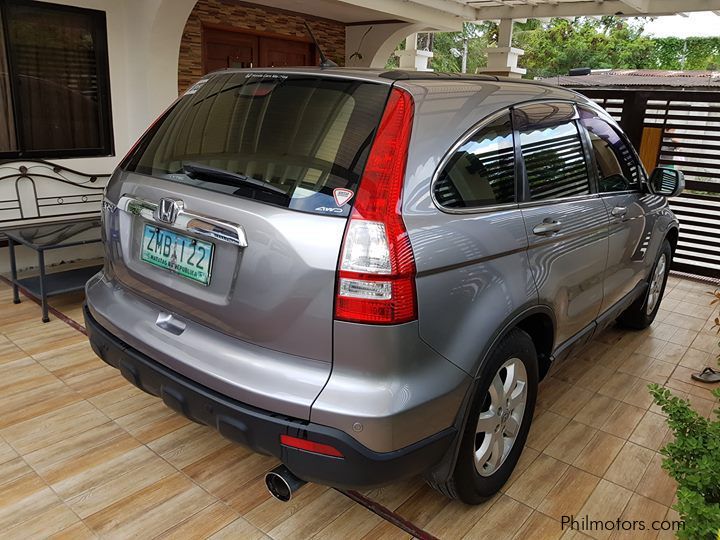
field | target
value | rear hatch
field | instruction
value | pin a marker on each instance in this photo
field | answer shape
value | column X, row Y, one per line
column 236, row 201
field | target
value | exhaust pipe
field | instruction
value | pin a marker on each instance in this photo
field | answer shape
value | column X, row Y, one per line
column 281, row 483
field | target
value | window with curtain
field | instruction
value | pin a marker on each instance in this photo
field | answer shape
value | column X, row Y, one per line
column 54, row 83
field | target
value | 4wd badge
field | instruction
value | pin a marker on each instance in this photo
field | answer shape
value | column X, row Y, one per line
column 342, row 196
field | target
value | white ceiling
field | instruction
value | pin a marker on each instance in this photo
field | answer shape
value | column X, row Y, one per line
column 560, row 8
column 329, row 9
column 451, row 13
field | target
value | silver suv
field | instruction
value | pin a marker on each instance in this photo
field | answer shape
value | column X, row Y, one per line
column 366, row 273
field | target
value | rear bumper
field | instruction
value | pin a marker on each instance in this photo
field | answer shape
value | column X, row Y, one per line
column 260, row 430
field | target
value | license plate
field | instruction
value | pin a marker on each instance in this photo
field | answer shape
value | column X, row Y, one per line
column 183, row 255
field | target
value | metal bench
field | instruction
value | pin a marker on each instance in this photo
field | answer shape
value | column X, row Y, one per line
column 45, row 206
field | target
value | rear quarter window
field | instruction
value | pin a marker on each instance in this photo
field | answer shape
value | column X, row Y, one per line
column 305, row 136
column 481, row 172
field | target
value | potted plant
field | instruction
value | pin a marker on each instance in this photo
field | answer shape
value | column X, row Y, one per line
column 693, row 460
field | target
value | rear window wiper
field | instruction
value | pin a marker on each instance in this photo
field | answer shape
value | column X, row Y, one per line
column 221, row 176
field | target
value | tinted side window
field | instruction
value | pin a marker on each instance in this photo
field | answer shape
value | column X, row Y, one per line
column 616, row 167
column 482, row 171
column 554, row 162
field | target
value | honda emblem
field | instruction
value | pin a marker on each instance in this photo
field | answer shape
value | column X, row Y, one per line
column 168, row 209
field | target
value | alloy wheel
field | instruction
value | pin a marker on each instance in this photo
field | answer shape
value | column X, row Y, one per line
column 500, row 417
column 656, row 284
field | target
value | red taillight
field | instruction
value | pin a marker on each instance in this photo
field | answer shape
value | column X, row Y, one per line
column 310, row 446
column 376, row 274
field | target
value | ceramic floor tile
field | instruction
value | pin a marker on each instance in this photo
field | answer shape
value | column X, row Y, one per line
column 672, row 352
column 423, row 506
column 636, row 365
column 618, row 385
column 188, row 444
column 599, row 454
column 597, row 410
column 597, row 375
column 568, row 496
column 539, row 527
column 629, row 465
column 152, row 510
column 239, row 528
column 639, row 394
column 152, row 422
column 531, row 486
column 650, row 431
column 607, row 502
column 570, row 442
column 623, row 420
column 386, row 531
column 695, row 359
column 76, row 531
column 313, row 516
column 656, row 484
column 526, row 459
column 683, row 336
column 53, row 426
column 456, row 519
column 85, row 454
column 544, row 429
column 645, row 511
column 355, row 522
column 571, row 402
column 502, row 521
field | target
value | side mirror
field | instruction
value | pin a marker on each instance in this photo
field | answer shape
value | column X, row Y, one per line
column 667, row 182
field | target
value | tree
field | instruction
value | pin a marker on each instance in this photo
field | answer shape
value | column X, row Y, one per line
column 555, row 47
column 691, row 53
column 448, row 48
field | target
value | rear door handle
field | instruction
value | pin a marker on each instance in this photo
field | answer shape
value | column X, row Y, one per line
column 547, row 227
column 618, row 211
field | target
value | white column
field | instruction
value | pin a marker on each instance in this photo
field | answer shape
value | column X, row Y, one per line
column 503, row 59
column 413, row 58
column 372, row 45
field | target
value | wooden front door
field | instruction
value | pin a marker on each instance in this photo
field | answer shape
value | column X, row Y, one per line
column 223, row 49
column 229, row 49
column 276, row 52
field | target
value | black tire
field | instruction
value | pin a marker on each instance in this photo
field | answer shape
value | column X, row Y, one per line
column 638, row 316
column 466, row 483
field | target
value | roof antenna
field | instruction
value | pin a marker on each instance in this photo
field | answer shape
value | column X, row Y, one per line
column 325, row 62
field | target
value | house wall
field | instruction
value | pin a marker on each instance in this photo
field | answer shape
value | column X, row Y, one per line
column 254, row 18
column 141, row 87
column 146, row 38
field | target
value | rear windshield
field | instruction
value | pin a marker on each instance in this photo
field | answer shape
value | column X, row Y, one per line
column 299, row 141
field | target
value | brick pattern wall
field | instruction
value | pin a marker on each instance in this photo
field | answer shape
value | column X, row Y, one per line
column 246, row 16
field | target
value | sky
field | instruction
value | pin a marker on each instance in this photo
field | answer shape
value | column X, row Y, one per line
column 701, row 23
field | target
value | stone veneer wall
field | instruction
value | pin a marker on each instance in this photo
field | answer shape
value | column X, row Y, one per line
column 247, row 16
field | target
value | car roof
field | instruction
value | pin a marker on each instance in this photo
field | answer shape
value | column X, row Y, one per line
column 417, row 78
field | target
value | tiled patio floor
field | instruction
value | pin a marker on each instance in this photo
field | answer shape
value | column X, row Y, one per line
column 84, row 454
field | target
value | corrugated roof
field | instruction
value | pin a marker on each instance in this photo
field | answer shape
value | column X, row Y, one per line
column 640, row 77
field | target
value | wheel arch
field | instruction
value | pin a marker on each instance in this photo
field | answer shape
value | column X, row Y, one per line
column 672, row 236
column 538, row 322
column 540, row 326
